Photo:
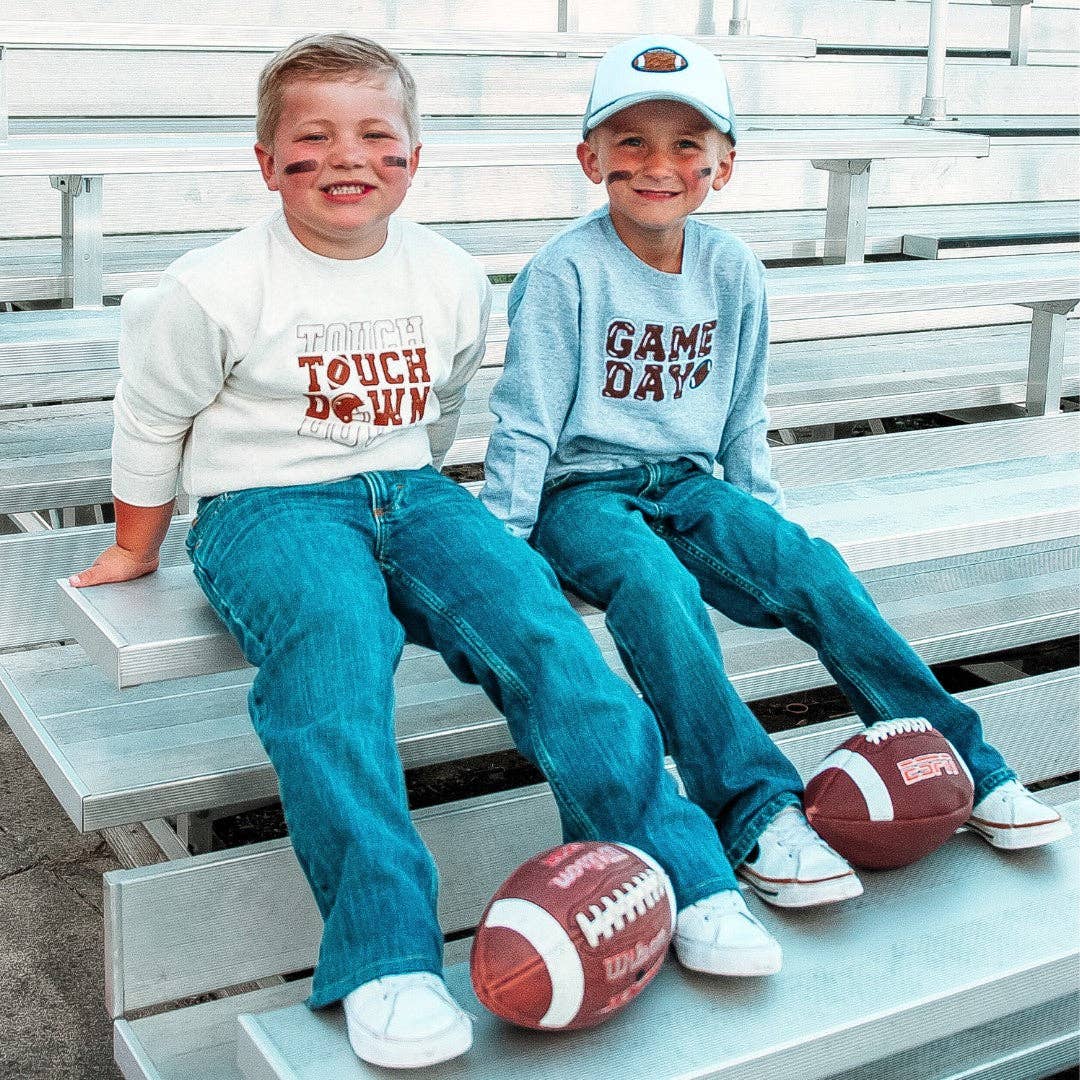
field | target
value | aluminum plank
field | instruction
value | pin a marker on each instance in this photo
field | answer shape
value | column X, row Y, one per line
column 730, row 1029
column 207, row 202
column 110, row 155
column 30, row 268
column 199, row 1043
column 101, row 81
column 60, row 455
column 1027, row 1045
column 805, row 292
column 45, row 36
column 163, row 627
column 117, row 756
column 31, row 563
column 227, row 907
column 194, row 1043
column 855, row 21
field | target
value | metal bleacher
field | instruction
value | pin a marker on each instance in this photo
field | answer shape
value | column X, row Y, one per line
column 131, row 699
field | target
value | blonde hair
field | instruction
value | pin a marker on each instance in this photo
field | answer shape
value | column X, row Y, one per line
column 331, row 57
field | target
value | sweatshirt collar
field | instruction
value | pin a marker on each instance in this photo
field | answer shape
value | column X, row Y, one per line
column 631, row 261
column 383, row 257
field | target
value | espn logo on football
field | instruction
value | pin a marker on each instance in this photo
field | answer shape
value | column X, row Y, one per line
column 913, row 770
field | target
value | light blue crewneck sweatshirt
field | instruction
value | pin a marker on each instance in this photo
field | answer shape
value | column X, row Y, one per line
column 613, row 364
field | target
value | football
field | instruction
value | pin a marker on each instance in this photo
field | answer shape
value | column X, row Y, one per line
column 890, row 795
column 572, row 936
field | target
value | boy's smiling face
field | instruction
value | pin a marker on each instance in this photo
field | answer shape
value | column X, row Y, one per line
column 659, row 160
column 342, row 160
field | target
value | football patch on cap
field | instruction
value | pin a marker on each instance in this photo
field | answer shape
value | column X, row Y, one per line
column 659, row 60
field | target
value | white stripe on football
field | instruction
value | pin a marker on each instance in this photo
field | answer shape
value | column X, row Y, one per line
column 879, row 804
column 554, row 947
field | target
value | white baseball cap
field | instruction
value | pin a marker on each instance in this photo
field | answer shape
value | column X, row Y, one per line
column 660, row 67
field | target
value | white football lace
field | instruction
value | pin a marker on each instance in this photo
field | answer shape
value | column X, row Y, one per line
column 880, row 731
column 636, row 896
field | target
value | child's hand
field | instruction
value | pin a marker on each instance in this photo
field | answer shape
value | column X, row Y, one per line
column 139, row 533
column 115, row 564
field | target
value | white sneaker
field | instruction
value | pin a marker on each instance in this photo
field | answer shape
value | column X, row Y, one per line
column 791, row 866
column 720, row 936
column 1010, row 817
column 406, row 1021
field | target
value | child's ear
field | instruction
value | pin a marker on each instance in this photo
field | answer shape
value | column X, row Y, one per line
column 414, row 161
column 265, row 158
column 586, row 155
column 724, row 168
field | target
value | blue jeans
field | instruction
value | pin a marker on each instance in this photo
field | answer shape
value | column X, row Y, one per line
column 322, row 585
column 652, row 546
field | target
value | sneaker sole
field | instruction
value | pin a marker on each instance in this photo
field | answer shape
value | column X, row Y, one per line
column 392, row 1054
column 744, row 963
column 796, row 894
column 1019, row 837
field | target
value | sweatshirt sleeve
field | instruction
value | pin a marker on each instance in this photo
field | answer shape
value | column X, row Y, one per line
column 533, row 397
column 451, row 394
column 172, row 366
column 744, row 449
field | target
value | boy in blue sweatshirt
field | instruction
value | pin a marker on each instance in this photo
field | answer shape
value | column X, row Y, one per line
column 636, row 362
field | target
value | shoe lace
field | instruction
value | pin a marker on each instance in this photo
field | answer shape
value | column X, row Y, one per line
column 639, row 894
column 884, row 729
column 791, row 827
column 728, row 902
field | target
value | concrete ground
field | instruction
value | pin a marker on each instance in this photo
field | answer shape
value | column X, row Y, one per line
column 52, row 1009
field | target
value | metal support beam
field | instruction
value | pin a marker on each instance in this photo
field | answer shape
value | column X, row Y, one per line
column 739, row 23
column 1045, row 356
column 706, row 20
column 30, row 521
column 196, row 831
column 1019, row 33
column 4, row 126
column 845, row 212
column 172, row 846
column 933, row 102
column 82, row 243
column 1019, row 29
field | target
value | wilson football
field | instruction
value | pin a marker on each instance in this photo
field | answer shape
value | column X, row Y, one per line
column 572, row 936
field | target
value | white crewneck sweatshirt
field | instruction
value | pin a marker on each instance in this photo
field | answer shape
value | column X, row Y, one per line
column 258, row 363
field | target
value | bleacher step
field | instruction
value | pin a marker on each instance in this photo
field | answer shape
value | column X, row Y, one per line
column 950, row 969
column 31, row 269
column 112, row 756
column 217, row 85
column 199, row 1043
column 59, row 455
column 886, row 501
column 34, row 340
column 983, row 246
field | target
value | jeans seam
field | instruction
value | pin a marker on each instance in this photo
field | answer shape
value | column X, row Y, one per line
column 774, row 609
column 223, row 607
column 434, row 604
column 992, row 782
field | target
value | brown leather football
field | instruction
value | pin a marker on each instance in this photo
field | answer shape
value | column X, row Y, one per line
column 573, row 935
column 890, row 794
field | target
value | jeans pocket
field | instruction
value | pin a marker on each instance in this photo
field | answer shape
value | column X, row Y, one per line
column 205, row 511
